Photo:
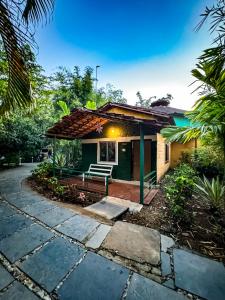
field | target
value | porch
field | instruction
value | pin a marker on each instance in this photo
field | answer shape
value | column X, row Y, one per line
column 123, row 190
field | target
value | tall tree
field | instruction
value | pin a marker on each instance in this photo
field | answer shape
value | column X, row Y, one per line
column 22, row 131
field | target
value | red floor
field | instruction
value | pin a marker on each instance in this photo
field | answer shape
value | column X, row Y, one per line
column 116, row 189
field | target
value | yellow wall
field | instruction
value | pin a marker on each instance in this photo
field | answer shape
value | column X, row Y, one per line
column 177, row 149
column 175, row 152
column 162, row 166
column 127, row 112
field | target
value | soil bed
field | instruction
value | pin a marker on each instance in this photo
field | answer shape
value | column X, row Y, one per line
column 71, row 194
column 203, row 231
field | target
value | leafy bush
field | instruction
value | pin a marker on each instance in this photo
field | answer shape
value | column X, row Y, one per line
column 42, row 171
column 212, row 191
column 207, row 161
column 179, row 185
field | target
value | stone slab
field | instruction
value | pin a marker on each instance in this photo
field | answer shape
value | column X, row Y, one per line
column 12, row 186
column 12, row 224
column 165, row 264
column 21, row 201
column 18, row 292
column 199, row 275
column 166, row 243
column 55, row 216
column 144, row 288
column 5, row 278
column 135, row 242
column 78, row 227
column 107, row 209
column 98, row 237
column 133, row 207
column 95, row 278
column 6, row 210
column 52, row 262
column 169, row 283
column 38, row 207
column 22, row 242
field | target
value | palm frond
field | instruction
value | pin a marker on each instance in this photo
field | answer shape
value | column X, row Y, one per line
column 37, row 10
column 15, row 16
column 19, row 91
column 186, row 134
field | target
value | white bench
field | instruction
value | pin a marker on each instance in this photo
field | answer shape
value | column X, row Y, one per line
column 99, row 170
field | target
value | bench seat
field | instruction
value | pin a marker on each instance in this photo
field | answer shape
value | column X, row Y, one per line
column 99, row 170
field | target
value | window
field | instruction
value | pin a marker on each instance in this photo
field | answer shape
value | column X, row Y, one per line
column 166, row 152
column 107, row 152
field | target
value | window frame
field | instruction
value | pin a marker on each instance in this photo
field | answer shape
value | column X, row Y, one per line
column 167, row 153
column 116, row 153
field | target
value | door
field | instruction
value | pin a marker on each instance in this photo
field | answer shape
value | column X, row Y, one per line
column 136, row 158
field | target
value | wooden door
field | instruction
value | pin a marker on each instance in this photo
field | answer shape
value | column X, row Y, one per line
column 136, row 158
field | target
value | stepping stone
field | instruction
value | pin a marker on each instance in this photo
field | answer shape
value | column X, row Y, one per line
column 25, row 240
column 95, row 278
column 199, row 275
column 134, row 242
column 55, row 216
column 12, row 224
column 99, row 236
column 166, row 243
column 38, row 207
column 52, row 262
column 107, row 209
column 5, row 278
column 78, row 227
column 17, row 292
column 165, row 264
column 144, row 288
column 6, row 211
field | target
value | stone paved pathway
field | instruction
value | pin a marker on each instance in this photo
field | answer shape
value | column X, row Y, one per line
column 50, row 252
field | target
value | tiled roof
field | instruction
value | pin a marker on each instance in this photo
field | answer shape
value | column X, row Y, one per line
column 82, row 121
column 156, row 110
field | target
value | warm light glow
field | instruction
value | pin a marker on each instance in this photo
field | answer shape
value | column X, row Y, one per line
column 114, row 132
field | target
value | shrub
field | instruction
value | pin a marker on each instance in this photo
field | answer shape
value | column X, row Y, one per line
column 179, row 185
column 211, row 191
column 43, row 171
column 208, row 161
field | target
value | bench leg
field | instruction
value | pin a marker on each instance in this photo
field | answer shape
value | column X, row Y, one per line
column 83, row 177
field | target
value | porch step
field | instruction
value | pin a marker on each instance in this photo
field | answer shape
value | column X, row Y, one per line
column 107, row 209
column 150, row 196
column 132, row 206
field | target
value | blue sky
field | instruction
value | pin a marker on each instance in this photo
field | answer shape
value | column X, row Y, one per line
column 141, row 45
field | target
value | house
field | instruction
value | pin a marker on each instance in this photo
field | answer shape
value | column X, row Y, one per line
column 125, row 136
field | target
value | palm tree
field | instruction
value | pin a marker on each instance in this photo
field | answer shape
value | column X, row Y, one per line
column 208, row 114
column 16, row 19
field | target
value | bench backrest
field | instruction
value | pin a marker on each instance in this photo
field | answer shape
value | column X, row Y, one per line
column 100, row 168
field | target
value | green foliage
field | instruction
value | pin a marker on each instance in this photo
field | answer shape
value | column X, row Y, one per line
column 16, row 19
column 212, row 192
column 43, row 170
column 178, row 187
column 60, row 160
column 208, row 161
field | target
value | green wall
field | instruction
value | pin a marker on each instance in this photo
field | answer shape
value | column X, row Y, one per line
column 122, row 171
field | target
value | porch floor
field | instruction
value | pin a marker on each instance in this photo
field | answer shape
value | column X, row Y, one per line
column 116, row 189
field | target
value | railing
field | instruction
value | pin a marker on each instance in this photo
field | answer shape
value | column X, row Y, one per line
column 150, row 179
